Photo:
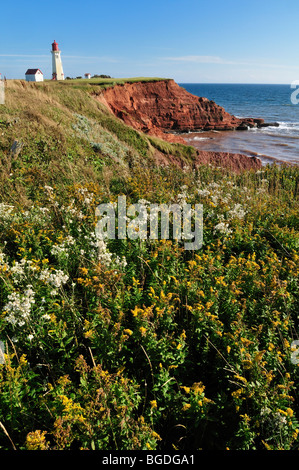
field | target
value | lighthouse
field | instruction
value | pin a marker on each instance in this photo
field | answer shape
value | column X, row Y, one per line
column 57, row 70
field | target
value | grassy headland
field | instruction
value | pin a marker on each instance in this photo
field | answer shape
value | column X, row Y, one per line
column 139, row 344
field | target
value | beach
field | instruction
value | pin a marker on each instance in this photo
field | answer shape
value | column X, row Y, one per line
column 270, row 102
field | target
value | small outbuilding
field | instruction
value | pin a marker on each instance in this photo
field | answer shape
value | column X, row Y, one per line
column 34, row 75
column 87, row 75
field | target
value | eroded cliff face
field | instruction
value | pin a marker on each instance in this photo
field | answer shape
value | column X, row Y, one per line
column 235, row 162
column 163, row 108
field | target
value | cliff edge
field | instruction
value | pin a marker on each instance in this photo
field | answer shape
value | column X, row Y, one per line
column 164, row 109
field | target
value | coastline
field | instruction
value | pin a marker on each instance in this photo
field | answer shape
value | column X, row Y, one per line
column 211, row 141
column 168, row 111
column 274, row 144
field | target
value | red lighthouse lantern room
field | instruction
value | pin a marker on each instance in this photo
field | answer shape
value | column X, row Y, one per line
column 55, row 46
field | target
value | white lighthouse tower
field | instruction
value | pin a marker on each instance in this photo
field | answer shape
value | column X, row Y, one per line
column 57, row 70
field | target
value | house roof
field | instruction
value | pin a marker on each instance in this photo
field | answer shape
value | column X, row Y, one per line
column 33, row 71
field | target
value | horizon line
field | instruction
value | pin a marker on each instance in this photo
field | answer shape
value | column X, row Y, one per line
column 189, row 82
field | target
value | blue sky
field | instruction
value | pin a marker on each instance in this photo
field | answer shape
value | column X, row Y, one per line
column 197, row 41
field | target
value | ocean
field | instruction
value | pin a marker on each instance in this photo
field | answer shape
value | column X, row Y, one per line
column 273, row 103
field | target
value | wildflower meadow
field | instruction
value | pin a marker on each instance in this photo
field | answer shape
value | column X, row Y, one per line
column 140, row 344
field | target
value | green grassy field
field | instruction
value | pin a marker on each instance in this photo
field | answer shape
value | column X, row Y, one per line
column 104, row 82
column 139, row 344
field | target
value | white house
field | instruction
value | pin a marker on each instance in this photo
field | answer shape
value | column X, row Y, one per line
column 34, row 75
column 87, row 75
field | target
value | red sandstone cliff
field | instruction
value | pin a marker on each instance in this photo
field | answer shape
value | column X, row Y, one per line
column 235, row 162
column 163, row 108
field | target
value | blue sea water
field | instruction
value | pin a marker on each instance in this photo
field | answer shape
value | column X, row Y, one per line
column 273, row 103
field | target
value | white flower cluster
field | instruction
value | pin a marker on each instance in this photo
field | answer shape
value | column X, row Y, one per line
column 55, row 278
column 214, row 191
column 203, row 192
column 144, row 202
column 63, row 247
column 5, row 211
column 18, row 307
column 49, row 191
column 21, row 269
column 219, row 195
column 100, row 252
column 71, row 211
column 107, row 258
column 104, row 256
column 182, row 197
column 2, row 259
column 222, row 227
column 88, row 197
column 237, row 212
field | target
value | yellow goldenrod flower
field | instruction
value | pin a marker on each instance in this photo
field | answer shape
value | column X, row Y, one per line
column 241, row 378
column 156, row 436
column 186, row 407
column 136, row 311
column 159, row 311
column 23, row 360
column 207, row 400
column 36, row 440
column 142, row 330
column 153, row 404
column 198, row 387
column 246, row 418
column 247, row 364
column 246, row 342
column 128, row 332
column 286, row 343
column 88, row 334
column 258, row 356
column 266, row 445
